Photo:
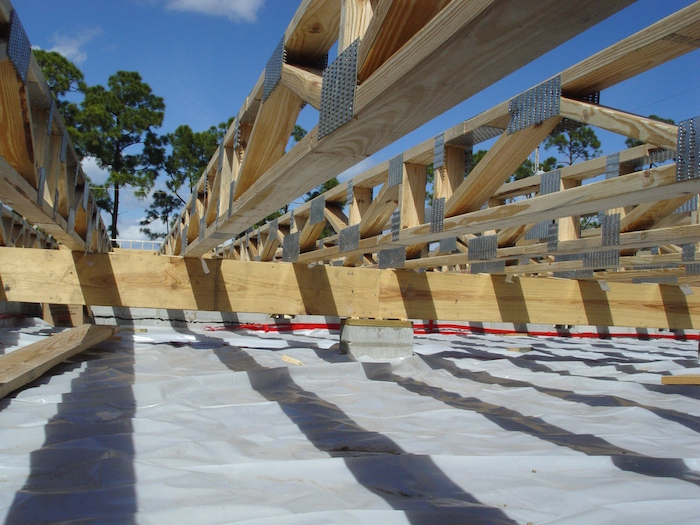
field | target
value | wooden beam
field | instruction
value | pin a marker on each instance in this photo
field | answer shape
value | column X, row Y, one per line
column 509, row 152
column 647, row 130
column 306, row 82
column 355, row 16
column 144, row 280
column 24, row 365
column 460, row 36
column 681, row 379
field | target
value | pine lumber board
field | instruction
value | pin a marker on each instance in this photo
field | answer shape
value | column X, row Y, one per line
column 143, row 280
column 306, row 82
column 647, row 130
column 30, row 362
column 271, row 131
column 648, row 214
column 422, row 68
column 5, row 11
column 355, row 16
column 16, row 133
column 393, row 24
column 681, row 379
column 312, row 31
column 17, row 193
column 509, row 152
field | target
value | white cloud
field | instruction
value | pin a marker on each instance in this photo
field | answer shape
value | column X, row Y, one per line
column 236, row 10
column 97, row 175
column 72, row 47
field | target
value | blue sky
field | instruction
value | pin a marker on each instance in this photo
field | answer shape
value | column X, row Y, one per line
column 204, row 56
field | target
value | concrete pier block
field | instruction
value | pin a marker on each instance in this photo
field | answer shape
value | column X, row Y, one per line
column 376, row 339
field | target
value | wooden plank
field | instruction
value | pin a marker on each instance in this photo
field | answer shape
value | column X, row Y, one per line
column 681, row 379
column 649, row 214
column 312, row 31
column 24, row 365
column 412, row 202
column 509, row 152
column 394, row 23
column 355, row 16
column 461, row 36
column 16, row 133
column 647, row 130
column 449, row 177
column 305, row 82
column 143, row 280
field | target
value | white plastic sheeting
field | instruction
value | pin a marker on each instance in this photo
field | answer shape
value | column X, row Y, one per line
column 169, row 426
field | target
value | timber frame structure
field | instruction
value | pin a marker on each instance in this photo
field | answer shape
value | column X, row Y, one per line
column 483, row 252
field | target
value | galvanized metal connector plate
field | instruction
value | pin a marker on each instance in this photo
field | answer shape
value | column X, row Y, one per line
column 550, row 182
column 349, row 238
column 351, row 194
column 395, row 225
column 338, row 91
column 19, row 50
column 688, row 152
column 273, row 69
column 487, row 267
column 392, row 258
column 691, row 205
column 612, row 166
column 395, row 171
column 535, row 105
column 290, row 248
column 439, row 151
column 437, row 215
column 317, row 209
column 40, row 189
column 229, row 212
column 482, row 248
column 448, row 245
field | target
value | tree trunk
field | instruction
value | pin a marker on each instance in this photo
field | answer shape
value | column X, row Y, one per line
column 115, row 211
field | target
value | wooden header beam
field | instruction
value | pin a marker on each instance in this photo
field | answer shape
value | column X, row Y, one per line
column 150, row 281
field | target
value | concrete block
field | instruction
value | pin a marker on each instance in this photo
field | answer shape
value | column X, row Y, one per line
column 376, row 339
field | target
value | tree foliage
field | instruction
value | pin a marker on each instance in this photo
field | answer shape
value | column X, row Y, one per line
column 190, row 152
column 579, row 143
column 117, row 126
column 64, row 78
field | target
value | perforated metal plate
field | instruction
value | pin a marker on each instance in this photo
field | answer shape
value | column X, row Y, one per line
column 550, row 182
column 439, row 151
column 688, row 152
column 183, row 240
column 553, row 236
column 291, row 220
column 611, row 229
column 202, row 228
column 395, row 171
column 483, row 248
column 392, row 258
column 221, row 156
column 40, row 188
column 476, row 136
column 395, row 225
column 656, row 280
column 86, row 195
column 573, row 274
column 64, row 146
column 349, row 238
column 612, row 166
column 338, row 91
column 55, row 205
column 437, row 215
column 316, row 210
column 19, row 50
column 351, row 194
column 691, row 205
column 49, row 123
column 230, row 200
column 535, row 105
column 273, row 229
column 290, row 248
column 448, row 245
column 273, row 69
column 236, row 135
column 487, row 267
column 71, row 221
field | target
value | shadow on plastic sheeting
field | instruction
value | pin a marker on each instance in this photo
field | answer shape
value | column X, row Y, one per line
column 84, row 471
column 513, row 421
column 410, row 483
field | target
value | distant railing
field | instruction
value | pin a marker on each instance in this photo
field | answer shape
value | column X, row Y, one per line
column 126, row 244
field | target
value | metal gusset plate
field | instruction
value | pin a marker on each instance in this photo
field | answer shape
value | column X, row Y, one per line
column 392, row 258
column 550, row 182
column 535, row 105
column 351, row 194
column 612, row 166
column 692, row 268
column 273, row 69
column 553, row 236
column 688, row 152
column 291, row 220
column 19, row 50
column 572, row 274
column 476, row 136
column 221, row 157
column 272, row 229
column 482, row 248
column 230, row 200
column 395, row 171
column 64, row 145
column 448, row 245
column 338, row 91
column 610, row 231
column 691, row 205
column 290, row 248
column 55, row 205
column 487, row 267
column 663, row 279
column 71, row 221
column 202, row 228
column 437, row 215
column 236, row 135
column 395, row 225
column 439, row 151
column 316, row 210
column 349, row 238
column 40, row 188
